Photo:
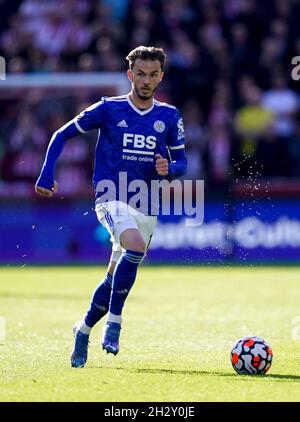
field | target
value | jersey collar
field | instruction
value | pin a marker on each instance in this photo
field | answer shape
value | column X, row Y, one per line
column 141, row 112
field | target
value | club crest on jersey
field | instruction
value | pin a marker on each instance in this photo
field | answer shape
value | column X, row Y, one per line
column 159, row 126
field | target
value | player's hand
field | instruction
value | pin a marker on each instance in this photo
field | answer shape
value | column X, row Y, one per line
column 161, row 165
column 46, row 192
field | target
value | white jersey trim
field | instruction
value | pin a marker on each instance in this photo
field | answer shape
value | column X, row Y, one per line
column 159, row 104
column 177, row 147
column 118, row 99
column 141, row 112
column 78, row 127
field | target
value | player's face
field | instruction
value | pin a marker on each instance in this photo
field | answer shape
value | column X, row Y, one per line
column 145, row 77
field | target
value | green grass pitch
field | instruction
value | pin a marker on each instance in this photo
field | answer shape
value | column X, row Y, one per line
column 179, row 326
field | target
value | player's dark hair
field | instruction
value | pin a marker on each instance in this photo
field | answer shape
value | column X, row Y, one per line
column 146, row 53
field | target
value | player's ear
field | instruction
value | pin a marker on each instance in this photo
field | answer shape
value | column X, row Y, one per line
column 161, row 76
column 129, row 74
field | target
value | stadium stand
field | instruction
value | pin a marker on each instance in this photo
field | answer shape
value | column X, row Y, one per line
column 232, row 59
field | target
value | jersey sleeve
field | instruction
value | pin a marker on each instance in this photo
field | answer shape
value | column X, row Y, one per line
column 176, row 138
column 90, row 118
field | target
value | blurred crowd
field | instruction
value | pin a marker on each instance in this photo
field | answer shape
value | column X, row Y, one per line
column 229, row 67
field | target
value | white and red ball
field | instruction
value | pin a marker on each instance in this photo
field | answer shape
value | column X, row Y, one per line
column 251, row 356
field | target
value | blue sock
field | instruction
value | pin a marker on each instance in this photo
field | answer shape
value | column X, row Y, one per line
column 100, row 301
column 123, row 279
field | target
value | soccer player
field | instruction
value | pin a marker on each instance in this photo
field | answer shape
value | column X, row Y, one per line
column 139, row 139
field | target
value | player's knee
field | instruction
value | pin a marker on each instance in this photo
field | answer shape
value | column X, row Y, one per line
column 137, row 245
column 132, row 240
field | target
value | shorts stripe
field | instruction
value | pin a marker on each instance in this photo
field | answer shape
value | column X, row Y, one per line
column 109, row 220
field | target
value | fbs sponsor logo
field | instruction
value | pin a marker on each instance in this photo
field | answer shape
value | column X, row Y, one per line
column 139, row 144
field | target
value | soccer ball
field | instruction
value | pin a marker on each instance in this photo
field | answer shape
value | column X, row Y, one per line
column 251, row 356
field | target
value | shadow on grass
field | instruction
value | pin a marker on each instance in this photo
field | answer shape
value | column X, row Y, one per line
column 234, row 376
column 280, row 377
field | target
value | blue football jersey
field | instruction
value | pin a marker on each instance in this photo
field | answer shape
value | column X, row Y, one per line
column 128, row 140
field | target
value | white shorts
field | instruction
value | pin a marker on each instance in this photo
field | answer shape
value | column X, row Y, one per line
column 116, row 217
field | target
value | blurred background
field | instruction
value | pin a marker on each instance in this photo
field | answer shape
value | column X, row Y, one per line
column 229, row 71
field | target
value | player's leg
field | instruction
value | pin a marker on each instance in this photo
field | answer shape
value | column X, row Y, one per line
column 145, row 228
column 101, row 297
column 124, row 277
column 98, row 308
column 99, row 305
column 125, row 272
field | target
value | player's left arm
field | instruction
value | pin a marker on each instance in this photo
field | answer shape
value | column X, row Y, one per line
column 178, row 163
column 177, row 166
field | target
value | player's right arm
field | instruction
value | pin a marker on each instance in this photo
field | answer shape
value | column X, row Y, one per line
column 46, row 185
column 89, row 119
